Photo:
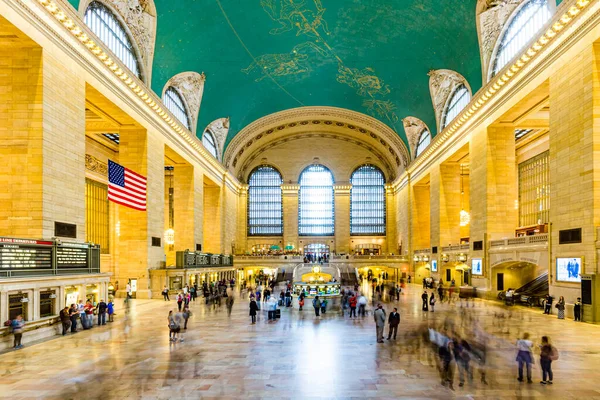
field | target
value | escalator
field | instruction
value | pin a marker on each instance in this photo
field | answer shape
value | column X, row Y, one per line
column 533, row 293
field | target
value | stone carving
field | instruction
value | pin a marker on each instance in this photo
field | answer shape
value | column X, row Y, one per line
column 442, row 83
column 220, row 129
column 492, row 16
column 414, row 127
column 191, row 86
column 140, row 17
column 95, row 165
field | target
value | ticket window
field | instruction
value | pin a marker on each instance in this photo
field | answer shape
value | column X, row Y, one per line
column 71, row 295
column 175, row 283
column 91, row 294
column 47, row 303
column 18, row 305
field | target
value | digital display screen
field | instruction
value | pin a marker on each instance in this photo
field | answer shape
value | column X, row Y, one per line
column 71, row 257
column 477, row 266
column 433, row 265
column 568, row 269
column 16, row 256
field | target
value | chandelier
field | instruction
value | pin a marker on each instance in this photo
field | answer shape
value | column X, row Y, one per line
column 465, row 218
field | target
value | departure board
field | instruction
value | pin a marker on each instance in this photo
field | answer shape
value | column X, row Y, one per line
column 190, row 259
column 17, row 255
column 72, row 256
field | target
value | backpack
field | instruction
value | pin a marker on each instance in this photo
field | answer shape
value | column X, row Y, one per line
column 554, row 355
column 8, row 322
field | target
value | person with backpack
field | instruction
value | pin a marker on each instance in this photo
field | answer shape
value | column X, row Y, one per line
column 548, row 353
column 317, row 305
column 110, row 309
column 17, row 325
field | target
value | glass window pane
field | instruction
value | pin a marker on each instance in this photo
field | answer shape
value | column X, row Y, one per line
column 316, row 209
column 209, row 143
column 110, row 31
column 524, row 26
column 424, row 141
column 534, row 191
column 265, row 210
column 97, row 215
column 459, row 100
column 175, row 104
column 367, row 202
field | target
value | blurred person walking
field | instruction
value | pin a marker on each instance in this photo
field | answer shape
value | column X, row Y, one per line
column 17, row 325
column 362, row 305
column 352, row 302
column 253, row 309
column 524, row 356
column 165, row 293
column 110, row 309
column 425, row 298
column 432, row 301
column 317, row 305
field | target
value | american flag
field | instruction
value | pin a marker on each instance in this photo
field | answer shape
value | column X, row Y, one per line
column 126, row 187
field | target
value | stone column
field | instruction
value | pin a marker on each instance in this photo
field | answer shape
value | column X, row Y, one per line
column 212, row 219
column 242, row 225
column 290, row 215
column 184, row 207
column 342, row 217
column 34, row 303
column 449, row 203
column 420, row 217
column 391, row 235
column 139, row 150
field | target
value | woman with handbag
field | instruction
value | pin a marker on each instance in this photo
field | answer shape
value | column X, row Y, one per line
column 561, row 307
column 548, row 353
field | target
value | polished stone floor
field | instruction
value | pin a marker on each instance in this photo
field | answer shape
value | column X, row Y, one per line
column 298, row 357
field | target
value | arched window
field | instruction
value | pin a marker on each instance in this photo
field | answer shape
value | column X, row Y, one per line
column 109, row 30
column 524, row 25
column 367, row 201
column 315, row 211
column 175, row 104
column 458, row 101
column 424, row 141
column 265, row 214
column 208, row 140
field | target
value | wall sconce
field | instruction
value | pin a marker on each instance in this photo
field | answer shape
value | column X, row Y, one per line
column 416, row 258
column 425, row 258
column 461, row 257
column 445, row 258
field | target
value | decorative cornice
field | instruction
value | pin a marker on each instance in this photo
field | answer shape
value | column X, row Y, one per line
column 95, row 165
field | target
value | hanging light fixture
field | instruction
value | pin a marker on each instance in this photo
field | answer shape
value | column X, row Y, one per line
column 465, row 217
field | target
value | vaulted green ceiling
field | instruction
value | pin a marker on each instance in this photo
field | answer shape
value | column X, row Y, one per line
column 264, row 56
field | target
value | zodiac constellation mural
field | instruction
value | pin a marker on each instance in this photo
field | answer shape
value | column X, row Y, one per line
column 306, row 17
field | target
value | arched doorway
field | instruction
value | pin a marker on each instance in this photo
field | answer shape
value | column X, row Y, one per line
column 316, row 251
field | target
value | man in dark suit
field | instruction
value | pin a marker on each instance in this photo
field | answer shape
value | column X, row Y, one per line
column 393, row 321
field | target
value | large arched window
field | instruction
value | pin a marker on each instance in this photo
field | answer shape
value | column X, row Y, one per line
column 265, row 214
column 458, row 101
column 109, row 30
column 176, row 105
column 367, row 201
column 424, row 141
column 208, row 140
column 315, row 211
column 523, row 26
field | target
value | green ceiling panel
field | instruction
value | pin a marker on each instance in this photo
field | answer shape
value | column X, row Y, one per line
column 264, row 56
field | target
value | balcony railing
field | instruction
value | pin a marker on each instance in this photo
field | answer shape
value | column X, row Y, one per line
column 456, row 247
column 269, row 257
column 521, row 241
column 196, row 259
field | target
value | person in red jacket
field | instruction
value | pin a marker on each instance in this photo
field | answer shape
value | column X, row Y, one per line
column 352, row 302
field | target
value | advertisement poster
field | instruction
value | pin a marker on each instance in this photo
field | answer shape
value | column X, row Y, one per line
column 477, row 266
column 433, row 265
column 568, row 269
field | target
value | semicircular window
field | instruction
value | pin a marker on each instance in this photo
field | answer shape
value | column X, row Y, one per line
column 315, row 209
column 174, row 102
column 523, row 27
column 208, row 140
column 458, row 101
column 367, row 201
column 424, row 141
column 265, row 210
column 101, row 20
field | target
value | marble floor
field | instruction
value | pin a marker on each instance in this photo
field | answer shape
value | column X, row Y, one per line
column 298, row 357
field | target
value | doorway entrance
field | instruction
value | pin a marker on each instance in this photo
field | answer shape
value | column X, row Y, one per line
column 316, row 251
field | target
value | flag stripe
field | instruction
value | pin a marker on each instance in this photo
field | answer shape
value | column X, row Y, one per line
column 124, row 195
column 126, row 187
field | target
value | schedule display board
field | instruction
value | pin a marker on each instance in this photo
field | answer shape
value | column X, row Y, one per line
column 25, row 254
column 72, row 255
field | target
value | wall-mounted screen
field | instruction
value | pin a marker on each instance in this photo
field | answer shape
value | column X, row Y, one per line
column 568, row 269
column 433, row 265
column 477, row 266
